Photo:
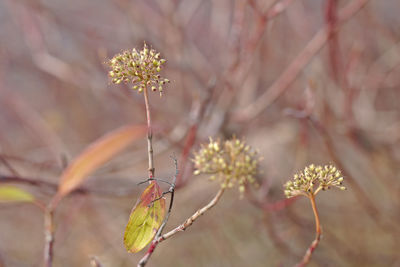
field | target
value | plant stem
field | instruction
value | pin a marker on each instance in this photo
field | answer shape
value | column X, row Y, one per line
column 181, row 227
column 149, row 134
column 316, row 215
column 318, row 232
column 48, row 236
column 196, row 215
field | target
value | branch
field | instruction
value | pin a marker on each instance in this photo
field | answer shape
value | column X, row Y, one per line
column 318, row 232
column 181, row 227
column 30, row 181
column 194, row 217
column 298, row 64
column 48, row 236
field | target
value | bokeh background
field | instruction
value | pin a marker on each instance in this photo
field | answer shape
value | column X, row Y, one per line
column 305, row 81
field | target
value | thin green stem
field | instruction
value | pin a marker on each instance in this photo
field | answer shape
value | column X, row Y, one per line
column 149, row 134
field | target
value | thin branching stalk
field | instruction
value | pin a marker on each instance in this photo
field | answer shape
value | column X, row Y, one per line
column 149, row 134
column 194, row 217
column 181, row 227
column 318, row 232
column 309, row 183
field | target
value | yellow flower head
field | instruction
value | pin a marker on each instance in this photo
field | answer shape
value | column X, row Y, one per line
column 313, row 179
column 141, row 68
column 232, row 162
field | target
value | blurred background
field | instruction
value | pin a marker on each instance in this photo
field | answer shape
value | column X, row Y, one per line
column 305, row 81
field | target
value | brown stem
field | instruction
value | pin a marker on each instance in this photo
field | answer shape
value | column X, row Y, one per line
column 149, row 134
column 318, row 232
column 316, row 215
column 30, row 181
column 194, row 217
column 181, row 227
column 48, row 236
column 48, row 186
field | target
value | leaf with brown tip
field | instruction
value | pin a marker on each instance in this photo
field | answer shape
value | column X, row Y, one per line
column 145, row 219
column 95, row 155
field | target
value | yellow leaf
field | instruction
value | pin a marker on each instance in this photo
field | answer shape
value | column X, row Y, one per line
column 14, row 194
column 145, row 219
column 95, row 155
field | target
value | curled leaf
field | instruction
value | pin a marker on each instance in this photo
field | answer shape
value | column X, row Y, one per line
column 95, row 155
column 145, row 219
column 14, row 194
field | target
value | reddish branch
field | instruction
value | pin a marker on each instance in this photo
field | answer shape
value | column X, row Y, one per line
column 263, row 18
column 298, row 64
column 333, row 45
column 318, row 232
column 192, row 133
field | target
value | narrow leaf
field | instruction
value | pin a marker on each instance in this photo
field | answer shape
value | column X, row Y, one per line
column 14, row 194
column 95, row 155
column 145, row 219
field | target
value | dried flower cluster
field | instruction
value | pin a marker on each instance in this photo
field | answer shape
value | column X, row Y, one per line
column 232, row 162
column 140, row 68
column 313, row 179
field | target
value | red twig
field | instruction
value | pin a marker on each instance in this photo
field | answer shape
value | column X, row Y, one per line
column 192, row 132
column 298, row 64
column 279, row 205
column 318, row 232
column 333, row 44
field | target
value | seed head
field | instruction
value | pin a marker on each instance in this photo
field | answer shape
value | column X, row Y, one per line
column 141, row 68
column 232, row 162
column 313, row 179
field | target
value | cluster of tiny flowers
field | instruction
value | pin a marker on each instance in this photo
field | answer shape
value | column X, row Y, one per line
column 313, row 179
column 140, row 68
column 232, row 162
